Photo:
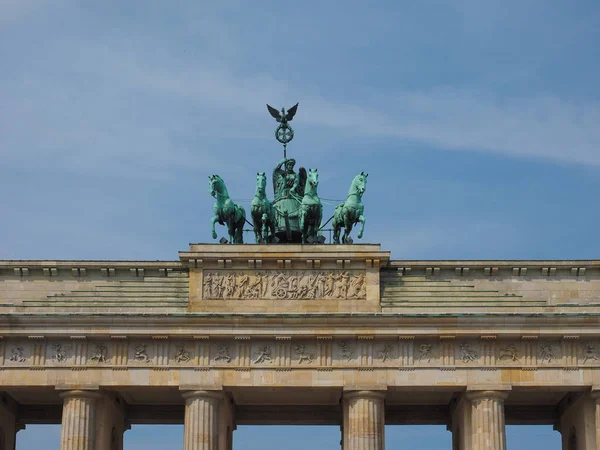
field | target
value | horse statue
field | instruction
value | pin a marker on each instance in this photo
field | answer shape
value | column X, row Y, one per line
column 262, row 212
column 311, row 209
column 351, row 211
column 226, row 211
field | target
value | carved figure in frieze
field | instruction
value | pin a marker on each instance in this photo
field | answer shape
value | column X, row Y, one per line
column 321, row 283
column 425, row 352
column 590, row 353
column 357, row 286
column 208, row 285
column 255, row 288
column 217, row 286
column 100, row 353
column 59, row 355
column 243, row 285
column 386, row 352
column 181, row 354
column 263, row 355
column 303, row 355
column 467, row 353
column 140, row 353
column 329, row 285
column 509, row 352
column 223, row 353
column 312, row 286
column 17, row 354
column 547, row 352
column 341, row 285
column 229, row 286
column 345, row 352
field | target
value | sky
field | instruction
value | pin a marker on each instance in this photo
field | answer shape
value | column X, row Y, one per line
column 477, row 122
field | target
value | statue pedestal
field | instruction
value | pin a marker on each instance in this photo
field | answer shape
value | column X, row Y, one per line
column 284, row 278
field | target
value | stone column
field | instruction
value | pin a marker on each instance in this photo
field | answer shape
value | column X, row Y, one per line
column 363, row 427
column 579, row 422
column 9, row 425
column 487, row 420
column 111, row 422
column 201, row 429
column 79, row 420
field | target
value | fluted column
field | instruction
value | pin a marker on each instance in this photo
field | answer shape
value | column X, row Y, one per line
column 488, row 430
column 79, row 420
column 201, row 429
column 364, row 421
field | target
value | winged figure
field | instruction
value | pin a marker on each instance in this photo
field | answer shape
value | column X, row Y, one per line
column 283, row 117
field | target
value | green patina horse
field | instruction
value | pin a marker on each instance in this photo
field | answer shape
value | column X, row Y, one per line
column 351, row 211
column 226, row 211
column 261, row 210
column 311, row 209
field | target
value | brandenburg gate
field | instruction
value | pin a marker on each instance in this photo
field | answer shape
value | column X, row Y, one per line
column 299, row 334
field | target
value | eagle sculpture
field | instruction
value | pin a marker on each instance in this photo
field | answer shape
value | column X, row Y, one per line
column 282, row 116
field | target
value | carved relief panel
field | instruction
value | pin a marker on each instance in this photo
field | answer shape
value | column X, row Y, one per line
column 284, row 285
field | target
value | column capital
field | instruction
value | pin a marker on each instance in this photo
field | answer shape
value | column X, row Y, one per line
column 487, row 394
column 203, row 393
column 81, row 393
column 364, row 394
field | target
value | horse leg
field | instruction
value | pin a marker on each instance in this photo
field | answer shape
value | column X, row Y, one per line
column 264, row 229
column 302, row 223
column 214, row 220
column 318, row 222
column 361, row 219
column 347, row 227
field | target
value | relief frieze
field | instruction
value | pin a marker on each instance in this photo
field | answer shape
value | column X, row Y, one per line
column 284, row 285
column 245, row 352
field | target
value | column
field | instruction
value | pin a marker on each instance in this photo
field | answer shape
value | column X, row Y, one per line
column 363, row 427
column 79, row 420
column 487, row 420
column 8, row 422
column 201, row 428
column 578, row 423
column 110, row 422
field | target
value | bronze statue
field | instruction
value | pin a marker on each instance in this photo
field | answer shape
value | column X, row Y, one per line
column 226, row 211
column 261, row 210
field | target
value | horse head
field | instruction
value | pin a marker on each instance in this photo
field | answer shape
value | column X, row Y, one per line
column 313, row 178
column 217, row 186
column 359, row 184
column 261, row 183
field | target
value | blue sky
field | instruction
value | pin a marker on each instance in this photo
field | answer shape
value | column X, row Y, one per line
column 476, row 120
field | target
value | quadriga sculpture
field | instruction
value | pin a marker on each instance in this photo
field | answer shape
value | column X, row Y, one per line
column 226, row 211
column 311, row 208
column 351, row 211
column 261, row 210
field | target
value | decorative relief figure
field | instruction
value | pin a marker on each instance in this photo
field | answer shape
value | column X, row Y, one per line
column 182, row 355
column 547, row 352
column 140, row 353
column 303, row 355
column 286, row 285
column 223, row 353
column 509, row 352
column 17, row 354
column 386, row 352
column 263, row 355
column 425, row 352
column 590, row 352
column 467, row 353
column 345, row 352
column 59, row 355
column 100, row 353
